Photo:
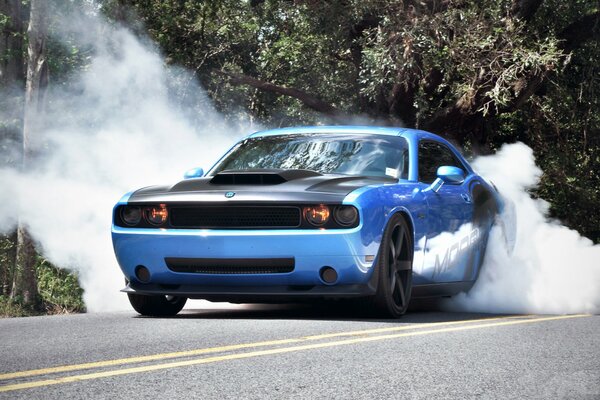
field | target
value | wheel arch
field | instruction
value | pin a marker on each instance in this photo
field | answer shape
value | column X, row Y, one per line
column 407, row 216
column 485, row 206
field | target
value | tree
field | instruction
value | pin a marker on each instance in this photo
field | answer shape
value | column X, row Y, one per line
column 12, row 79
column 25, row 283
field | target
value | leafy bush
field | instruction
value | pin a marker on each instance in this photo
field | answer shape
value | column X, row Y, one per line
column 13, row 308
column 59, row 289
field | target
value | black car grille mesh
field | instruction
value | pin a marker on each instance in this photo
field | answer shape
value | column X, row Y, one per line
column 235, row 217
column 231, row 266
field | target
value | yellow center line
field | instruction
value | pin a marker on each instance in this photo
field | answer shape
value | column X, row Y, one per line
column 241, row 346
column 281, row 350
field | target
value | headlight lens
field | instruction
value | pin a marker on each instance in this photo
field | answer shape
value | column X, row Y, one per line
column 317, row 215
column 345, row 215
column 157, row 215
column 131, row 215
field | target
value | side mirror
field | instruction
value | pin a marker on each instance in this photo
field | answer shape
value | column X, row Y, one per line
column 194, row 173
column 451, row 175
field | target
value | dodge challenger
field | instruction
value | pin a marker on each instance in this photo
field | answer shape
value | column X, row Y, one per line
column 379, row 214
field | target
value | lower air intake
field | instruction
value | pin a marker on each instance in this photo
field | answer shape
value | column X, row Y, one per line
column 231, row 266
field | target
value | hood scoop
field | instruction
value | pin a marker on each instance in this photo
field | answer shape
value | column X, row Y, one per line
column 260, row 176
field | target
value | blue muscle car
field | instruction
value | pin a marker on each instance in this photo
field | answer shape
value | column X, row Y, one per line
column 383, row 214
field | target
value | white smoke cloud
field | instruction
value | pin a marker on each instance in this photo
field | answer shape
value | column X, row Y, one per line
column 552, row 270
column 121, row 125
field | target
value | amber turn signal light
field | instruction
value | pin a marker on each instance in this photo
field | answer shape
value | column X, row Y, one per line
column 317, row 215
column 157, row 215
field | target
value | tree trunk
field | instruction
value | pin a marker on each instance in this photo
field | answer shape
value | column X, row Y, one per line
column 309, row 100
column 25, row 281
column 25, row 284
column 37, row 75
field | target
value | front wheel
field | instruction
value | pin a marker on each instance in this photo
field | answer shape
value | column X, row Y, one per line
column 156, row 306
column 394, row 267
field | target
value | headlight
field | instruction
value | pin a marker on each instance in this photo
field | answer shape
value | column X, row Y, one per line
column 345, row 215
column 131, row 215
column 156, row 215
column 316, row 215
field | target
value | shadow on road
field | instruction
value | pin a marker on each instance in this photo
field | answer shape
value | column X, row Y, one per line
column 419, row 312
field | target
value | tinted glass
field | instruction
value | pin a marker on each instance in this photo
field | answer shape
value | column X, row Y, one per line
column 369, row 155
column 433, row 155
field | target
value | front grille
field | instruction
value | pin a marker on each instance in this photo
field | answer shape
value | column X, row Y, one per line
column 235, row 217
column 231, row 266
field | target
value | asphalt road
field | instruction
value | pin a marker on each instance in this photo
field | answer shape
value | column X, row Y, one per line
column 300, row 352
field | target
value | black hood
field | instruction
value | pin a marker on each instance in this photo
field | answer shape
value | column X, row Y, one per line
column 259, row 185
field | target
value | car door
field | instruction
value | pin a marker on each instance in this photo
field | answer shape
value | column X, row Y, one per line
column 449, row 216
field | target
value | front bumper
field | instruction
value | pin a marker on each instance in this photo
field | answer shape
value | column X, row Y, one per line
column 254, row 294
column 345, row 250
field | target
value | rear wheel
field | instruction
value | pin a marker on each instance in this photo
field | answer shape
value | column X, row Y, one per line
column 156, row 306
column 394, row 265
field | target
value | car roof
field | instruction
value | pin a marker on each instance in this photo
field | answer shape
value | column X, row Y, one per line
column 350, row 129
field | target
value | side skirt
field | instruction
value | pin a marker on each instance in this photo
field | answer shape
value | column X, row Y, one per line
column 441, row 289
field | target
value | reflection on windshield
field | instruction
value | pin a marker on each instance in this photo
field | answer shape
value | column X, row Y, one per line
column 368, row 155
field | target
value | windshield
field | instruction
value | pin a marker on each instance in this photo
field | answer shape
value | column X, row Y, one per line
column 370, row 155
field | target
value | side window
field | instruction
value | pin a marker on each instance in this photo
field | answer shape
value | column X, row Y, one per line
column 433, row 155
column 404, row 174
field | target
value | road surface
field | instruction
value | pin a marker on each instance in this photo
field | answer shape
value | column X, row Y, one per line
column 300, row 352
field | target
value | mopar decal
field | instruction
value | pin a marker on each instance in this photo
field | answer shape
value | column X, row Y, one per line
column 453, row 252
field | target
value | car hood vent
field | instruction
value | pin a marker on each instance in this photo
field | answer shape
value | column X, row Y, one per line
column 260, row 176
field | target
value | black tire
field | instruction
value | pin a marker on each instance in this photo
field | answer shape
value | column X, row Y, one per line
column 156, row 306
column 484, row 216
column 394, row 268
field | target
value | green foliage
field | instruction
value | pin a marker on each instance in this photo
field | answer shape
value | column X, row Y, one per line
column 59, row 289
column 565, row 130
column 14, row 308
column 474, row 47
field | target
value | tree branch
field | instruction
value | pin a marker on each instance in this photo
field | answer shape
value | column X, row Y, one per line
column 309, row 100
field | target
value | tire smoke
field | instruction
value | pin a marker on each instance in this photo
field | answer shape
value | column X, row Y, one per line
column 552, row 269
column 124, row 122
